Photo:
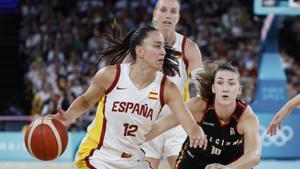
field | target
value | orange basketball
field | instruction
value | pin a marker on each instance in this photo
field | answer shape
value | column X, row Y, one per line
column 46, row 138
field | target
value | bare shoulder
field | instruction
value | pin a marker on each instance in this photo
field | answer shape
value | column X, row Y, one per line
column 170, row 87
column 171, row 91
column 248, row 114
column 197, row 103
column 105, row 76
column 193, row 54
column 248, row 118
column 191, row 44
column 169, row 83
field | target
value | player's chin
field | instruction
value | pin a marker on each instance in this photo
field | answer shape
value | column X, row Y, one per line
column 159, row 65
column 168, row 26
column 226, row 102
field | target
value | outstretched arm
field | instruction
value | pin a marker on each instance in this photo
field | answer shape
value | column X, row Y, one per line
column 161, row 125
column 282, row 113
column 174, row 100
column 94, row 93
column 249, row 126
column 196, row 105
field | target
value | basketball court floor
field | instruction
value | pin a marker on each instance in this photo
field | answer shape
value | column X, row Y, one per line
column 264, row 164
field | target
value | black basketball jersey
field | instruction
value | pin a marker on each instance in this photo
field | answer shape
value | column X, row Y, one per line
column 225, row 144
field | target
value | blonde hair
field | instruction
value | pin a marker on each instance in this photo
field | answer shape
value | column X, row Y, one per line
column 155, row 8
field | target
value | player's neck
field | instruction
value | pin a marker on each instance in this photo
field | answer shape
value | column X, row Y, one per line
column 141, row 76
column 169, row 36
column 224, row 112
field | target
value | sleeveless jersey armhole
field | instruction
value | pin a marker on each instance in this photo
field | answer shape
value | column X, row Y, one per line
column 186, row 94
column 162, row 91
column 186, row 62
column 117, row 76
column 241, row 108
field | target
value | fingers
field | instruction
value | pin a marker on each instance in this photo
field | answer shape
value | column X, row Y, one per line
column 205, row 143
column 209, row 166
column 60, row 114
column 200, row 142
column 212, row 166
column 59, row 109
column 194, row 142
column 272, row 129
column 198, row 138
column 279, row 125
column 275, row 123
column 221, row 166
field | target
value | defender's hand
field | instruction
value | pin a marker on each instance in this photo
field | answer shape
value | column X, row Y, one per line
column 198, row 138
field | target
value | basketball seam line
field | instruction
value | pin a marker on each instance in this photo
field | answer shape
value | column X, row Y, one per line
column 35, row 124
column 57, row 136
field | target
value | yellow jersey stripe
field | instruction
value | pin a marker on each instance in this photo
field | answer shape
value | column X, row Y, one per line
column 186, row 94
column 94, row 138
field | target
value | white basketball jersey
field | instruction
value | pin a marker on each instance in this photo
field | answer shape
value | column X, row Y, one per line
column 181, row 79
column 129, row 112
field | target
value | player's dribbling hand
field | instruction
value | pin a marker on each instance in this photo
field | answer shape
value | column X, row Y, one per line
column 198, row 138
column 60, row 116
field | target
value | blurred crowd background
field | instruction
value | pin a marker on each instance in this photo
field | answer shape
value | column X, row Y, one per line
column 58, row 42
column 289, row 46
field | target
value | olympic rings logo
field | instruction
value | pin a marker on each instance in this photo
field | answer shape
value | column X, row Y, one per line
column 282, row 136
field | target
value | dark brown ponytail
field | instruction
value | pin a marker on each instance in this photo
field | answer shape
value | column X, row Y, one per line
column 120, row 47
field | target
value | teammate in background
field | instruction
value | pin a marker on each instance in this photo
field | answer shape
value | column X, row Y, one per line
column 130, row 98
column 232, row 128
column 165, row 17
column 282, row 113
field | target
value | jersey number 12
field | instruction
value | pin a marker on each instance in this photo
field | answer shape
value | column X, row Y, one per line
column 130, row 129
